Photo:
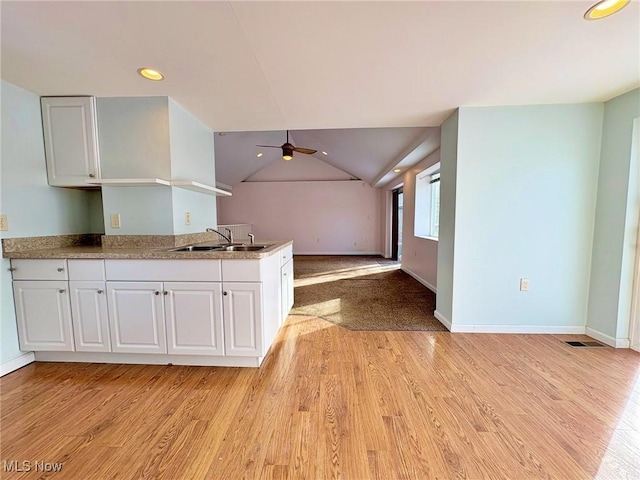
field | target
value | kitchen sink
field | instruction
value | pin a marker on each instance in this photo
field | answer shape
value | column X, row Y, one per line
column 234, row 247
column 199, row 248
column 244, row 248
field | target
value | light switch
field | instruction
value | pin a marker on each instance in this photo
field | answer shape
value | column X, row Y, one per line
column 4, row 222
column 524, row 284
column 115, row 220
column 187, row 218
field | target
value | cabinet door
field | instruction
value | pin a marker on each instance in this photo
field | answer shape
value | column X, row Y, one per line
column 70, row 139
column 136, row 317
column 89, row 316
column 242, row 304
column 194, row 318
column 44, row 315
column 287, row 289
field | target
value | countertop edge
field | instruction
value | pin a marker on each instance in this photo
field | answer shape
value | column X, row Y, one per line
column 151, row 253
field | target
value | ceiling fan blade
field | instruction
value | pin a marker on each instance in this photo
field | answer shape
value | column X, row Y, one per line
column 308, row 151
column 270, row 146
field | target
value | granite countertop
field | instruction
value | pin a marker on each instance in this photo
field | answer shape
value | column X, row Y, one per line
column 146, row 252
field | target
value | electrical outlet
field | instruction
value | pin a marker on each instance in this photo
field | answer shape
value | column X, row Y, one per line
column 4, row 222
column 115, row 220
column 524, row 284
column 187, row 218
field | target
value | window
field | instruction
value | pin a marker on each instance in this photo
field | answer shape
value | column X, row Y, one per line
column 427, row 210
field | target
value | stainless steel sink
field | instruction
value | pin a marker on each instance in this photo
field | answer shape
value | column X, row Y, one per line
column 199, row 248
column 234, row 247
column 245, row 248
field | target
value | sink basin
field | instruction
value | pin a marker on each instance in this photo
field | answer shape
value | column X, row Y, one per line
column 199, row 248
column 244, row 248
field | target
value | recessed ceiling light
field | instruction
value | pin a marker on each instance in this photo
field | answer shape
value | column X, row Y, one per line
column 259, row 155
column 151, row 74
column 397, row 170
column 324, row 153
column 605, row 8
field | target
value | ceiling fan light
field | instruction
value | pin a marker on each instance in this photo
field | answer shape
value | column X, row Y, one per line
column 287, row 153
column 604, row 8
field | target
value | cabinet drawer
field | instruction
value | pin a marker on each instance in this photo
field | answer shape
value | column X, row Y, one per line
column 196, row 270
column 55, row 269
column 286, row 254
column 86, row 269
column 241, row 270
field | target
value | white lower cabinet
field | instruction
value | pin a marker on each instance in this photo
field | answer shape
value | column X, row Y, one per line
column 243, row 319
column 194, row 318
column 90, row 316
column 44, row 315
column 287, row 289
column 136, row 317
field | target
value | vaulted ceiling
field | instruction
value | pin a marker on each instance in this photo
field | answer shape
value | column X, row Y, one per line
column 270, row 66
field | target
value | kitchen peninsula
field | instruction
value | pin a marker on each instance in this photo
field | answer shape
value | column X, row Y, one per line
column 147, row 303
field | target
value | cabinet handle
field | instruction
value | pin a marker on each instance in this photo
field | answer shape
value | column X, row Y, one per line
column 157, row 292
column 224, row 293
column 165, row 292
column 62, row 290
column 12, row 269
column 91, row 175
column 60, row 269
column 100, row 292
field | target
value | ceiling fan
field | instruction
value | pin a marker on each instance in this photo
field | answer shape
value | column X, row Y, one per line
column 288, row 149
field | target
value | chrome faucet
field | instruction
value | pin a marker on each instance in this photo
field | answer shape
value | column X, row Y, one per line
column 252, row 237
column 228, row 237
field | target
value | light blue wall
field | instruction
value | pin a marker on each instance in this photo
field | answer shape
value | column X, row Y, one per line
column 616, row 220
column 33, row 208
column 133, row 133
column 448, row 191
column 192, row 153
column 202, row 208
column 143, row 210
column 524, row 207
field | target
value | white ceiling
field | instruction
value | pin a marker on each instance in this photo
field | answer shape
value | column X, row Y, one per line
column 249, row 66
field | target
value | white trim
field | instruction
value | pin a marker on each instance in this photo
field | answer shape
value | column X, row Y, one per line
column 442, row 319
column 420, row 279
column 148, row 359
column 604, row 338
column 16, row 363
column 542, row 329
column 339, row 253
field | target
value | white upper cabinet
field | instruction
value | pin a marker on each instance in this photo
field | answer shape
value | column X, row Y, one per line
column 71, row 141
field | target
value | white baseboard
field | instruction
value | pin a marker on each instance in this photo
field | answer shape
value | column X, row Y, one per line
column 338, row 253
column 16, row 363
column 148, row 359
column 606, row 339
column 442, row 319
column 420, row 279
column 541, row 329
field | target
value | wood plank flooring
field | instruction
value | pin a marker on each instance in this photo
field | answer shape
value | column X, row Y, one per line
column 333, row 403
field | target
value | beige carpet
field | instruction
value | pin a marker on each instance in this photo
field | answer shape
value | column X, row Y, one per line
column 362, row 293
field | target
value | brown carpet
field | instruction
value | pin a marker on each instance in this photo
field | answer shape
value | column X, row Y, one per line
column 362, row 293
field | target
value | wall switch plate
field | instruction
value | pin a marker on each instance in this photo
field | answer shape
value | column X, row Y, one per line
column 187, row 218
column 4, row 222
column 524, row 284
column 115, row 220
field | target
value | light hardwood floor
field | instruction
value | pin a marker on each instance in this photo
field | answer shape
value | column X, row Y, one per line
column 333, row 403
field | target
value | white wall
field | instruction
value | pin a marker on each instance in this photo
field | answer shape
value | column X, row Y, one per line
column 33, row 208
column 525, row 203
column 616, row 223
column 419, row 255
column 332, row 217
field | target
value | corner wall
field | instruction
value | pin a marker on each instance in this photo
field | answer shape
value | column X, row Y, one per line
column 32, row 206
column 616, row 224
column 524, row 208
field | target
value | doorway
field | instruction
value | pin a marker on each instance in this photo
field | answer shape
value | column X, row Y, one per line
column 397, row 203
